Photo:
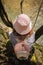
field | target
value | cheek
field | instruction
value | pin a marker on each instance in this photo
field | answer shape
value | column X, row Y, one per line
column 26, row 48
column 18, row 47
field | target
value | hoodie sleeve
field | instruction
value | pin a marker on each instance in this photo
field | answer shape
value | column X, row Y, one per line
column 31, row 40
column 12, row 38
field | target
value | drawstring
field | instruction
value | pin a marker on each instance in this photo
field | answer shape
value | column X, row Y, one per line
column 37, row 14
column 21, row 6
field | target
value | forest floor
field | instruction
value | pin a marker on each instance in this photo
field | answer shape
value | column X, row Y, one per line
column 12, row 9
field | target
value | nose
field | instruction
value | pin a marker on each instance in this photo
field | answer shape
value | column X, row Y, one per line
column 23, row 45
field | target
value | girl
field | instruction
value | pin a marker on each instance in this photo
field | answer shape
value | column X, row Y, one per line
column 22, row 36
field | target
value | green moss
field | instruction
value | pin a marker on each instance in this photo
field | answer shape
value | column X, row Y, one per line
column 40, row 48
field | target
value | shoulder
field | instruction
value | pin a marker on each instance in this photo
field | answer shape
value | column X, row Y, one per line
column 10, row 31
column 31, row 39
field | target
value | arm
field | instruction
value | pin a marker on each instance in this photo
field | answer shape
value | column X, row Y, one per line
column 30, row 39
column 11, row 37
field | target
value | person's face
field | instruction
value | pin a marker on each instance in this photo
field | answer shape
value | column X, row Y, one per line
column 21, row 47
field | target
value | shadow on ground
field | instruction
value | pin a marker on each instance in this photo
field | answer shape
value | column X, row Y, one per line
column 39, row 33
column 4, row 16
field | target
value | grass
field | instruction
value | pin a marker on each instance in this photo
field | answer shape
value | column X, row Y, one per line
column 12, row 8
column 40, row 48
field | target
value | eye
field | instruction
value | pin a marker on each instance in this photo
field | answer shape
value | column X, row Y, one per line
column 23, row 45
